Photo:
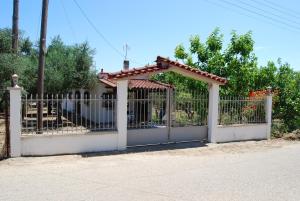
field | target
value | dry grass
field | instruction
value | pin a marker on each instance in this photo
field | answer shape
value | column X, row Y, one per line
column 2, row 135
column 295, row 135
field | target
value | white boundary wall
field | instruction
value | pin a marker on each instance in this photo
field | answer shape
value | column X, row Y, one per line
column 241, row 132
column 41, row 145
column 117, row 140
column 188, row 133
column 149, row 136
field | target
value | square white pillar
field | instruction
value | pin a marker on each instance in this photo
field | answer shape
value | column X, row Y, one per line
column 15, row 121
column 213, row 105
column 122, row 95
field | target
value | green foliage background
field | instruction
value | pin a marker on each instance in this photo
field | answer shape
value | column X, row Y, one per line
column 238, row 63
column 67, row 66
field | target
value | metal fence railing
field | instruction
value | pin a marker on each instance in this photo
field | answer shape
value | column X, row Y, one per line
column 69, row 114
column 241, row 110
column 190, row 108
column 147, row 108
column 152, row 108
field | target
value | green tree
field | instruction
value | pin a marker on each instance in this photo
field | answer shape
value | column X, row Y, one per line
column 237, row 62
column 287, row 106
column 240, row 64
column 67, row 67
column 266, row 76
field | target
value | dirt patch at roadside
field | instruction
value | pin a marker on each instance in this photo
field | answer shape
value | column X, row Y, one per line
column 231, row 148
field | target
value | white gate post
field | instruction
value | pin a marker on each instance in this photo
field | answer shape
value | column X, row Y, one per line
column 15, row 118
column 122, row 95
column 213, row 104
column 268, row 107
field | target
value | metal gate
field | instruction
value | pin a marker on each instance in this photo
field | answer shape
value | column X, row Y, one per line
column 157, row 116
column 4, row 124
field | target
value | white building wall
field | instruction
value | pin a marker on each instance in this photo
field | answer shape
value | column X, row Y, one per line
column 94, row 110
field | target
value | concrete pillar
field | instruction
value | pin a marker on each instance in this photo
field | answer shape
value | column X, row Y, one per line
column 213, row 104
column 122, row 95
column 268, row 107
column 15, row 121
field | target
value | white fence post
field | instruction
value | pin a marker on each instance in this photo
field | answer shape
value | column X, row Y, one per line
column 269, row 111
column 213, row 104
column 122, row 96
column 15, row 119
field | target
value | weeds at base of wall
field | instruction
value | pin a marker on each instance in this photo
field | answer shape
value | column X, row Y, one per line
column 280, row 130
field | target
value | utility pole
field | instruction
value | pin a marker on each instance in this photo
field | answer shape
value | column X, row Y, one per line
column 42, row 53
column 15, row 27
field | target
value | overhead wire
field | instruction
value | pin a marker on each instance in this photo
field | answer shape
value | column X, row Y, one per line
column 283, row 9
column 68, row 20
column 260, row 14
column 271, row 13
column 281, row 22
column 99, row 32
column 279, row 10
column 250, row 15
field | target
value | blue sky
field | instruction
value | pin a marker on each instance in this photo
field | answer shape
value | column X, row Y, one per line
column 155, row 27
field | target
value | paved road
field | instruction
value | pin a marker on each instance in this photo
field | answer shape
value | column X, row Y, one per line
column 235, row 171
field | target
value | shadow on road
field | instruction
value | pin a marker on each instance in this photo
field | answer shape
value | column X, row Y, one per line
column 150, row 148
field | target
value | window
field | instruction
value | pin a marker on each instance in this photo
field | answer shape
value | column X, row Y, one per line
column 108, row 99
column 87, row 97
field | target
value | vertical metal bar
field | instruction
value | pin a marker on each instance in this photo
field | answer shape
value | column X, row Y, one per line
column 168, row 111
column 104, row 111
column 139, row 108
column 143, row 107
column 52, row 126
column 81, row 111
column 86, row 111
column 241, row 103
column 76, row 103
column 72, row 111
column 56, row 112
column 90, row 104
column 95, row 112
column 26, row 113
column 108, row 112
column 67, row 111
column 100, row 108
column 129, row 109
column 61, row 112
column 47, row 121
column 112, row 111
column 32, row 118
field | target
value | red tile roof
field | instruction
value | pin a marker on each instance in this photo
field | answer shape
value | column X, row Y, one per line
column 134, row 71
column 162, row 65
column 138, row 84
column 160, row 60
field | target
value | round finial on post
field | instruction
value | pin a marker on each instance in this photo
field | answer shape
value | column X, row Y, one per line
column 269, row 91
column 14, row 78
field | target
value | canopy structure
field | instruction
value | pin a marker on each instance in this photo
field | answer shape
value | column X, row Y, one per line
column 164, row 65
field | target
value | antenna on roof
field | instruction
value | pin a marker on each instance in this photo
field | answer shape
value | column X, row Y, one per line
column 125, row 49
